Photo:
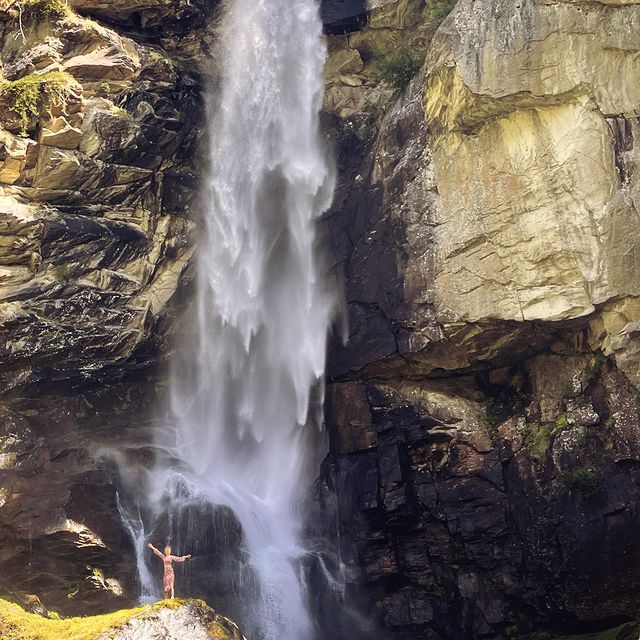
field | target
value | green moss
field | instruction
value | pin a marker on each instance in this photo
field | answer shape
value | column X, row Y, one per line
column 562, row 423
column 64, row 272
column 440, row 9
column 585, row 482
column 536, row 441
column 17, row 624
column 35, row 94
column 117, row 111
column 493, row 419
column 610, row 424
column 42, row 9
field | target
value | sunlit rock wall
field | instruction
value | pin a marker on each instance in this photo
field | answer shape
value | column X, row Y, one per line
column 484, row 414
column 98, row 176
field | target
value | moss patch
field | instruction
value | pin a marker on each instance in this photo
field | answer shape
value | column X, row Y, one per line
column 17, row 624
column 45, row 9
column 584, row 482
column 35, row 94
column 440, row 9
column 537, row 441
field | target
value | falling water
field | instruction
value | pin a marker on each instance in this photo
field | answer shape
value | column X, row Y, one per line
column 241, row 394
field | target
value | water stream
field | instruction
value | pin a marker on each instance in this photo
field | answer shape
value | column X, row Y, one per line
column 237, row 463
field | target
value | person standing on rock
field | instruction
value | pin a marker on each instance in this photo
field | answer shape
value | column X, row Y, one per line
column 168, row 579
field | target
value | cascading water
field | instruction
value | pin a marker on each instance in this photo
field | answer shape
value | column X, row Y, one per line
column 241, row 393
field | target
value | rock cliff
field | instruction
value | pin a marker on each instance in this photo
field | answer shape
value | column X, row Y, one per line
column 484, row 414
column 100, row 129
column 483, row 479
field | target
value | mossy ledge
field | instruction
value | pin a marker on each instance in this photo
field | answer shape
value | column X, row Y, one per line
column 33, row 95
column 18, row 624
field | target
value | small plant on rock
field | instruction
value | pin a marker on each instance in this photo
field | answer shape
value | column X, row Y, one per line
column 398, row 62
column 440, row 9
column 562, row 423
column 399, row 69
column 585, row 482
column 33, row 95
column 43, row 9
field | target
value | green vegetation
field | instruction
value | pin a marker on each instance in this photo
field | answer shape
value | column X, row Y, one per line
column 585, row 482
column 43, row 9
column 399, row 68
column 493, row 417
column 562, row 423
column 64, row 272
column 595, row 366
column 400, row 59
column 440, row 9
column 35, row 94
column 17, row 624
column 536, row 441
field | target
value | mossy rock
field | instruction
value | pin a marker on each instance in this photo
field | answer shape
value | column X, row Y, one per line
column 34, row 95
column 183, row 619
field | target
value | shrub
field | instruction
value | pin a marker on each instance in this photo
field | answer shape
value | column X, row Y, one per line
column 42, row 9
column 440, row 9
column 398, row 69
column 31, row 96
column 585, row 482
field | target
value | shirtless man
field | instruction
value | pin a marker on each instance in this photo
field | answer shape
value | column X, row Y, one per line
column 168, row 578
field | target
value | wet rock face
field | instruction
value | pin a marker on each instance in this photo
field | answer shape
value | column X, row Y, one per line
column 474, row 504
column 61, row 532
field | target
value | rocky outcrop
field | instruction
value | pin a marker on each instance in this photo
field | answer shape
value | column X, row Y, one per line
column 99, row 139
column 169, row 619
column 483, row 414
column 191, row 620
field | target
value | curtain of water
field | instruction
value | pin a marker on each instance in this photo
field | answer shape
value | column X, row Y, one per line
column 240, row 397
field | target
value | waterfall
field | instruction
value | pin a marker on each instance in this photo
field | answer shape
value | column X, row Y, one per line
column 241, row 393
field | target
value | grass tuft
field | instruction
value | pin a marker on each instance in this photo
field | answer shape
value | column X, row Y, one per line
column 33, row 95
column 45, row 9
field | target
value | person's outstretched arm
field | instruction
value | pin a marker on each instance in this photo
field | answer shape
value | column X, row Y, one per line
column 155, row 550
column 180, row 558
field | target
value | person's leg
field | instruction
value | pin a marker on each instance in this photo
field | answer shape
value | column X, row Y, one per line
column 173, row 595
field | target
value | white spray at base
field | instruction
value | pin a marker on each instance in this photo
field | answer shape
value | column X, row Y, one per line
column 240, row 397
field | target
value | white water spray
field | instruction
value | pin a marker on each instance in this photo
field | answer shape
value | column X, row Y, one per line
column 240, row 400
